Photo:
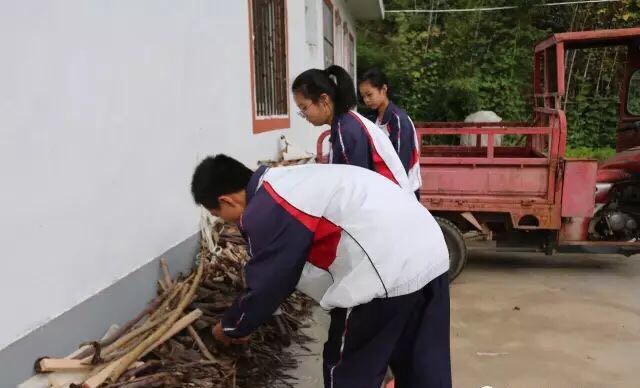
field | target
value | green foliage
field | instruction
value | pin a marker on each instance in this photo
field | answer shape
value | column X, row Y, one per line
column 591, row 153
column 592, row 122
column 633, row 101
column 442, row 67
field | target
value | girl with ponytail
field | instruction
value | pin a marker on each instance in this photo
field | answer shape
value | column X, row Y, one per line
column 328, row 97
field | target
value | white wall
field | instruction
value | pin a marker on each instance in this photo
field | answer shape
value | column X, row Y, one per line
column 302, row 56
column 346, row 17
column 105, row 109
column 314, row 34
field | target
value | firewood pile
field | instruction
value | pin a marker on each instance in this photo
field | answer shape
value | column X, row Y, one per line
column 169, row 343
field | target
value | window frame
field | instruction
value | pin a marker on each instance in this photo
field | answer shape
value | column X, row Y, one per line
column 338, row 39
column 262, row 124
column 329, row 4
column 629, row 96
column 349, row 51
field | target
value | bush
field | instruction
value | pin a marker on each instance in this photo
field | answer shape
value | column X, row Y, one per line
column 591, row 153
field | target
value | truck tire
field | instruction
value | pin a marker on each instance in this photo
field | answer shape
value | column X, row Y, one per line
column 456, row 246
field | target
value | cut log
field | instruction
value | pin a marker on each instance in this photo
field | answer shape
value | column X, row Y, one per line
column 60, row 365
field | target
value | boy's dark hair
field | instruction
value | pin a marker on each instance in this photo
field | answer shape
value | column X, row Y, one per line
column 315, row 82
column 375, row 77
column 218, row 175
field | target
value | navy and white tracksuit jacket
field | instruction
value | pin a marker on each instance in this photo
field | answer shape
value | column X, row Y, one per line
column 402, row 133
column 357, row 141
column 348, row 238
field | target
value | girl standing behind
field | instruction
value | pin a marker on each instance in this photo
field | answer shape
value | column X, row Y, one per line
column 374, row 89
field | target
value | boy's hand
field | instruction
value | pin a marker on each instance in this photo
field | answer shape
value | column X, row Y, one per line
column 218, row 334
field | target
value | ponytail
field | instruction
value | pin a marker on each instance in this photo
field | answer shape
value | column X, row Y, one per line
column 345, row 91
column 334, row 82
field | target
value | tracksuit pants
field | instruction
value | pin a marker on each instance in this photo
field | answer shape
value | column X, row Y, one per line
column 409, row 333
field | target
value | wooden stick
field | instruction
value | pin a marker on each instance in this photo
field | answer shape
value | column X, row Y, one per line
column 209, row 320
column 127, row 338
column 214, row 307
column 177, row 327
column 162, row 286
column 165, row 270
column 102, row 373
column 200, row 324
column 157, row 380
column 165, row 304
column 158, row 317
column 96, row 380
column 151, row 307
column 166, row 282
column 124, row 349
column 203, row 348
column 60, row 365
column 145, row 367
column 194, row 334
column 128, row 347
column 122, row 364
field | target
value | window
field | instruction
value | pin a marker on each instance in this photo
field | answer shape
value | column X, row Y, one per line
column 327, row 32
column 552, row 70
column 269, row 64
column 310, row 22
column 338, row 43
column 349, row 52
column 633, row 94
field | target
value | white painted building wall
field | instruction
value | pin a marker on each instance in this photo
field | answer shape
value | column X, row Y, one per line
column 105, row 109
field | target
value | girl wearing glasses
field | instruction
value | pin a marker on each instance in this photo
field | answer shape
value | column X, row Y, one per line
column 328, row 97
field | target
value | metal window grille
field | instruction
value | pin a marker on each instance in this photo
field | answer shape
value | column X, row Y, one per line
column 270, row 58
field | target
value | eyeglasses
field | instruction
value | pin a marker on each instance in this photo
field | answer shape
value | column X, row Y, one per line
column 303, row 112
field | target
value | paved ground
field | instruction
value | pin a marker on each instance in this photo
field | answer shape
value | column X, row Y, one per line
column 530, row 321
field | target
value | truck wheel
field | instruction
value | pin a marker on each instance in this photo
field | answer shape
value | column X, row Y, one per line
column 456, row 246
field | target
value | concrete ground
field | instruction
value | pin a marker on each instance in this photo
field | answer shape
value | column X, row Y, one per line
column 531, row 321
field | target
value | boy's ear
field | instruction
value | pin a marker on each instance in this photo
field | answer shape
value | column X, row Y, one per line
column 225, row 199
column 232, row 200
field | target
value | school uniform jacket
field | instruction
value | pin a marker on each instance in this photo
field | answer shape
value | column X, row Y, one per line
column 357, row 141
column 342, row 235
column 402, row 133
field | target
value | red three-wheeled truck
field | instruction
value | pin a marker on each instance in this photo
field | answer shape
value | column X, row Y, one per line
column 530, row 196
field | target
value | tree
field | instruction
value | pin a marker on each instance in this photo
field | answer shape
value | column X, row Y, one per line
column 442, row 67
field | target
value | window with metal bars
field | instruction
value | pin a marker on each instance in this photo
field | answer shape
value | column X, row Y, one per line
column 349, row 51
column 352, row 56
column 271, row 99
column 327, row 33
column 338, row 42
